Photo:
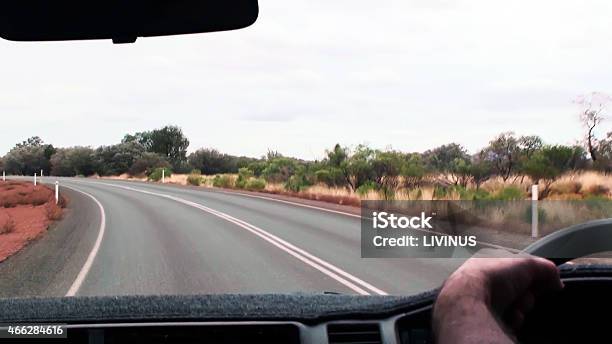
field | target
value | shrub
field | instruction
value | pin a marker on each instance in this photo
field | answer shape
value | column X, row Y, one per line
column 195, row 178
column 570, row 187
column 244, row 174
column 597, row 190
column 510, row 193
column 256, row 184
column 222, row 181
column 440, row 192
column 542, row 215
column 365, row 188
column 296, row 183
column 156, row 174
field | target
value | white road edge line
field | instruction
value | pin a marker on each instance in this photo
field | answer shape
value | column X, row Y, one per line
column 76, row 285
column 289, row 202
column 237, row 193
column 328, row 269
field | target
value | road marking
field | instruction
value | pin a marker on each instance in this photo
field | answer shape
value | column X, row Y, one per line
column 483, row 243
column 289, row 202
column 76, row 285
column 352, row 282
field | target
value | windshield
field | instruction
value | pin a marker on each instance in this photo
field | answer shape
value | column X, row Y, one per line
column 258, row 160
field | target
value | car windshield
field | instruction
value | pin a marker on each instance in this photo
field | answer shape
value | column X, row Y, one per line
column 351, row 147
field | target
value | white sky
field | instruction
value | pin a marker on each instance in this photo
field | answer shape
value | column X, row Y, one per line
column 407, row 74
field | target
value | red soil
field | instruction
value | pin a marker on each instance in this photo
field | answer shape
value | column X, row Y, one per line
column 26, row 212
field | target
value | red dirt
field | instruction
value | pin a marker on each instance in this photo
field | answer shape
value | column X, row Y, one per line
column 26, row 211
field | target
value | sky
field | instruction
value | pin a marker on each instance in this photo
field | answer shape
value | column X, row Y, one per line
column 406, row 74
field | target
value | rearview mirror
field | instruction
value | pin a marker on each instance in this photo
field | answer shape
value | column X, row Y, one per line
column 120, row 20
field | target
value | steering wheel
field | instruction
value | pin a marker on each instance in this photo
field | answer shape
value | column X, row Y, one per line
column 580, row 312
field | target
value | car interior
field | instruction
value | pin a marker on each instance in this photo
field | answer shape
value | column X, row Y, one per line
column 577, row 314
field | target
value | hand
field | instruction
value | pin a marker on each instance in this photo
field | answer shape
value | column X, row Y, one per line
column 486, row 299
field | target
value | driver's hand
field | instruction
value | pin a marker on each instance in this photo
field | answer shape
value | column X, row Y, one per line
column 486, row 299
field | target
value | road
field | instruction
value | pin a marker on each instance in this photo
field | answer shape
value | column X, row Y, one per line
column 131, row 238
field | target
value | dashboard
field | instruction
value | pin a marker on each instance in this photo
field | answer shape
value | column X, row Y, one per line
column 577, row 314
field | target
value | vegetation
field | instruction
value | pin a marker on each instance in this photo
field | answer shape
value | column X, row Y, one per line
column 195, row 178
column 157, row 174
column 448, row 171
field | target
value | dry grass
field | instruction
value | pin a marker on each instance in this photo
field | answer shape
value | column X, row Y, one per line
column 13, row 194
column 573, row 186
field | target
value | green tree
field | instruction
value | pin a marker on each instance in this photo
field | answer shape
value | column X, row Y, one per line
column 169, row 142
column 29, row 157
column 548, row 164
column 74, row 161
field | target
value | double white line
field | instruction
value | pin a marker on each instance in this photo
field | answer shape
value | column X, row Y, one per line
column 334, row 272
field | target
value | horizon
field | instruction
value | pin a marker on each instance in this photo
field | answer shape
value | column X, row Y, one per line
column 419, row 75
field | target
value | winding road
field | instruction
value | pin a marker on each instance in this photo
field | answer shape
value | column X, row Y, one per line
column 132, row 238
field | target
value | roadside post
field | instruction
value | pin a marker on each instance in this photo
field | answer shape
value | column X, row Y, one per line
column 56, row 192
column 41, row 172
column 34, row 179
column 163, row 175
column 3, row 176
column 534, row 211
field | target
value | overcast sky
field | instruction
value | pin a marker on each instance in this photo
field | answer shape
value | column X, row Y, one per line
column 405, row 74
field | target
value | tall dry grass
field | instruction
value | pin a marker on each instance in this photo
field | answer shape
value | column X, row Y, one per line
column 569, row 187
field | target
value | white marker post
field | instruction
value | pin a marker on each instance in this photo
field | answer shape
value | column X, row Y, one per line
column 34, row 179
column 3, row 176
column 534, row 211
column 56, row 192
column 41, row 172
column 163, row 175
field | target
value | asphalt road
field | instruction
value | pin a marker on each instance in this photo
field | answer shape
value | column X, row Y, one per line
column 130, row 238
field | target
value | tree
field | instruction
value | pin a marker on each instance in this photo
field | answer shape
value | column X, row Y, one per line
column 548, row 164
column 117, row 159
column 447, row 160
column 481, row 169
column 503, row 152
column 75, row 161
column 604, row 162
column 147, row 163
column 386, row 168
column 211, row 161
column 29, row 157
column 592, row 114
column 413, row 172
column 168, row 142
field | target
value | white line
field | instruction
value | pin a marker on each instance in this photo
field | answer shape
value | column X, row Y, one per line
column 328, row 269
column 289, row 202
column 484, row 243
column 76, row 285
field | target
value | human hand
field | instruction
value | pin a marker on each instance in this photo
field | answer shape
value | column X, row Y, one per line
column 486, row 299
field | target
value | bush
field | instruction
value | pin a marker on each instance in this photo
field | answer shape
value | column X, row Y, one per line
column 244, row 174
column 195, row 178
column 222, row 181
column 296, row 183
column 365, row 188
column 510, row 193
column 156, row 174
column 257, row 184
column 597, row 190
column 542, row 215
